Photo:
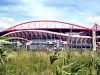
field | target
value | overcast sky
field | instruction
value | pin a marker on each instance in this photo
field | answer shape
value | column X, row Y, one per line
column 82, row 12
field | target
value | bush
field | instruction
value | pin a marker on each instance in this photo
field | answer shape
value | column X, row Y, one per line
column 30, row 62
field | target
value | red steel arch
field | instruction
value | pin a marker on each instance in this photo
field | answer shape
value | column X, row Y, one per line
column 52, row 21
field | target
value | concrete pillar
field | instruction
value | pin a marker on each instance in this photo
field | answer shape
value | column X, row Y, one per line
column 94, row 40
column 76, row 42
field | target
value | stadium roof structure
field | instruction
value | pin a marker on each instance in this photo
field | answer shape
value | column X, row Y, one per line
column 46, row 24
column 50, row 29
column 45, row 28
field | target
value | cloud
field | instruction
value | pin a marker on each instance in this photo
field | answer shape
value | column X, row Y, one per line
column 6, row 22
column 14, row 12
column 2, row 28
column 38, row 10
column 93, row 19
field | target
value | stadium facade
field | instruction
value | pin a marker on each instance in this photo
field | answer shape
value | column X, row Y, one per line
column 51, row 34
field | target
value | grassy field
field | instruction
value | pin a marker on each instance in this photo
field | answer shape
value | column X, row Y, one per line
column 38, row 63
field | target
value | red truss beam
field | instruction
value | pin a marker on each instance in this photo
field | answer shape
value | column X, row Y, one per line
column 52, row 21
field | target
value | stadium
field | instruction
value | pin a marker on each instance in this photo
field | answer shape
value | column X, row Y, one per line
column 52, row 34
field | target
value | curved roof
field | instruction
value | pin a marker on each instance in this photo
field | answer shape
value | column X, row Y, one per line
column 40, row 24
column 40, row 34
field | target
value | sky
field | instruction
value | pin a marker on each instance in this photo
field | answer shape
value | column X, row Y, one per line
column 82, row 12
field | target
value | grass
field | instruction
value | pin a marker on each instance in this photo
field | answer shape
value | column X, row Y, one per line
column 38, row 63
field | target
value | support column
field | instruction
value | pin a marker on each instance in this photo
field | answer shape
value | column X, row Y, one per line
column 94, row 40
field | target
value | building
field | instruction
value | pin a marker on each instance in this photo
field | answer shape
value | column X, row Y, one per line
column 51, row 35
